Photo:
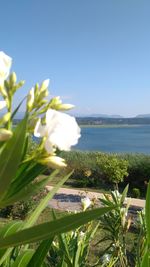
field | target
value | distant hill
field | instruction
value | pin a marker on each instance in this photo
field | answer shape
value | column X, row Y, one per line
column 113, row 121
column 143, row 116
column 104, row 116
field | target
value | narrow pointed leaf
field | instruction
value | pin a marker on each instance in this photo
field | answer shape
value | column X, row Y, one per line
column 63, row 244
column 23, row 259
column 10, row 157
column 26, row 143
column 44, row 202
column 124, row 194
column 28, row 174
column 50, row 229
column 17, row 108
column 40, row 254
column 146, row 260
column 27, row 192
column 7, row 230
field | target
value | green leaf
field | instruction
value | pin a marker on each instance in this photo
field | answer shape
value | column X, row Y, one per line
column 40, row 254
column 26, row 143
column 63, row 245
column 7, row 230
column 44, row 202
column 10, row 228
column 146, row 260
column 50, row 229
column 24, row 176
column 77, row 255
column 10, row 157
column 28, row 191
column 23, row 259
column 124, row 194
column 17, row 108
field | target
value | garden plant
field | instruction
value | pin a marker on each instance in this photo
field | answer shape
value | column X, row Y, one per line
column 64, row 241
column 19, row 171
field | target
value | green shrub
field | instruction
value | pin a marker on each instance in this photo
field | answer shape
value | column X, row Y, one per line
column 136, row 192
column 114, row 169
column 85, row 168
column 85, row 163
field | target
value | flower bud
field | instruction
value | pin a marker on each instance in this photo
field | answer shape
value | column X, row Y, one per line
column 44, row 85
column 30, row 99
column 55, row 101
column 13, row 78
column 36, row 90
column 43, row 94
column 65, row 107
column 5, row 134
column 56, row 104
column 20, row 84
column 54, row 162
column 5, row 118
column 86, row 203
column 15, row 87
column 3, row 91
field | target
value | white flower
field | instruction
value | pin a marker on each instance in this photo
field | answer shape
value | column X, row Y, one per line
column 61, row 130
column 5, row 65
column 86, row 203
column 2, row 104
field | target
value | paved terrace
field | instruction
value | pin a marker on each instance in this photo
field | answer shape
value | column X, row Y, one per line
column 70, row 199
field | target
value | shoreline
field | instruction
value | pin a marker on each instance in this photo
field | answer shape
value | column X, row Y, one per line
column 112, row 125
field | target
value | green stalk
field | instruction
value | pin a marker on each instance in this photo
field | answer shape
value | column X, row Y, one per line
column 9, row 123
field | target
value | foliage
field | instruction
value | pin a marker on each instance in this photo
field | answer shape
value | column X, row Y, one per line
column 86, row 171
column 19, row 170
column 140, row 241
column 113, row 168
column 19, row 180
column 72, row 248
column 117, row 224
column 138, row 169
column 88, row 174
column 136, row 192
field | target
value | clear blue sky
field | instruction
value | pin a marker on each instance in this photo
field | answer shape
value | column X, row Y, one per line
column 95, row 52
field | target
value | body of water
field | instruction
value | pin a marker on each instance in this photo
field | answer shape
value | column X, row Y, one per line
column 132, row 139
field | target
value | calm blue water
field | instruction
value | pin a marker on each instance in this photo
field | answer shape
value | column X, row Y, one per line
column 115, row 139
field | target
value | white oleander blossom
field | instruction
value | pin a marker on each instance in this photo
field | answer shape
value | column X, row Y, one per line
column 61, row 131
column 5, row 65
